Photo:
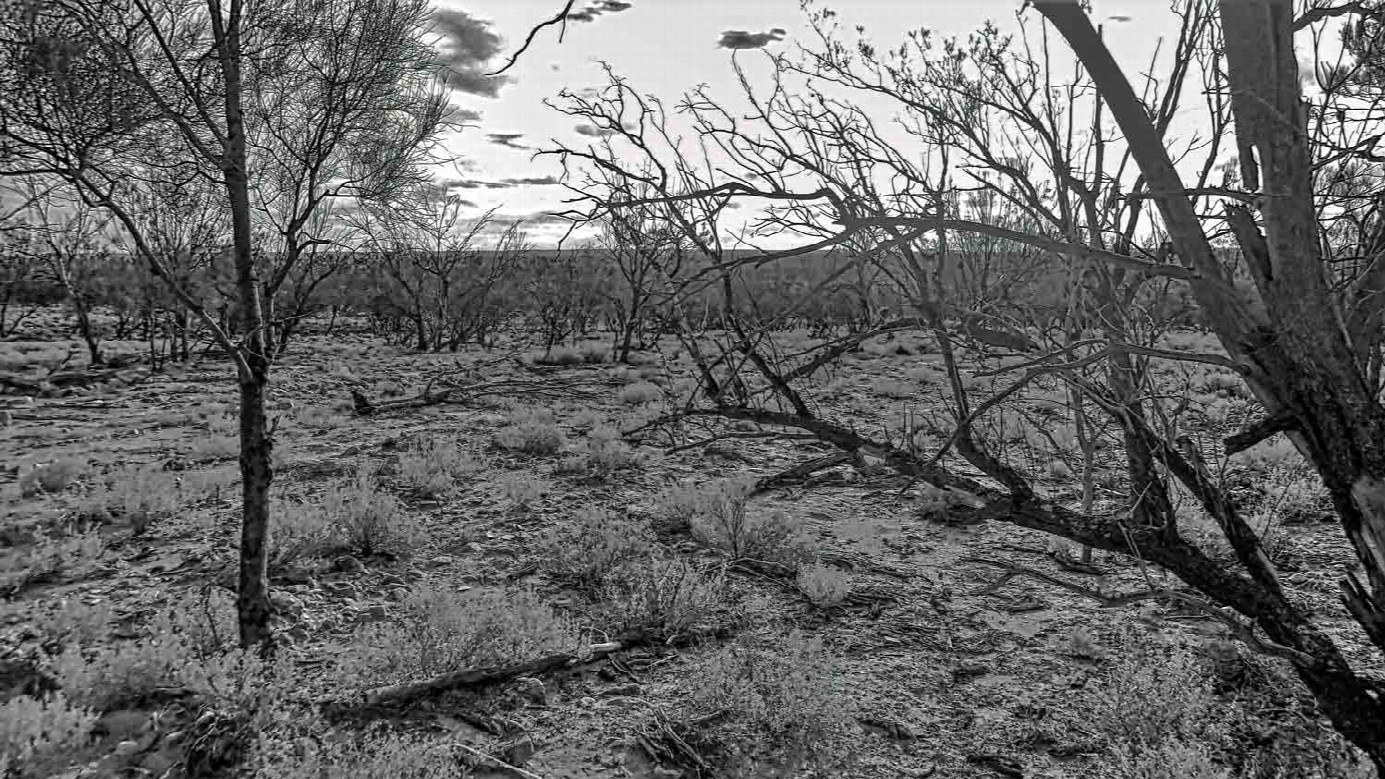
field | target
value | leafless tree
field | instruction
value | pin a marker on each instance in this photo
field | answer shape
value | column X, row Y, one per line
column 108, row 96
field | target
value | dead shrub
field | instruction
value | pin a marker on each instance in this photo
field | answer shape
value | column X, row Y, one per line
column 372, row 522
column 669, row 597
column 721, row 520
column 49, row 558
column 51, row 477
column 824, row 586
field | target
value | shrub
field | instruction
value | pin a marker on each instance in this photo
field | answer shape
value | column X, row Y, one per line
column 581, row 552
column 607, row 452
column 372, row 522
column 669, row 597
column 532, row 431
column 786, row 696
column 561, row 355
column 51, row 477
column 138, row 496
column 378, row 755
column 1172, row 759
column 521, row 489
column 1154, row 693
column 721, row 521
column 48, row 558
column 33, row 730
column 448, row 631
column 300, row 530
column 824, row 586
column 640, row 393
column 432, row 469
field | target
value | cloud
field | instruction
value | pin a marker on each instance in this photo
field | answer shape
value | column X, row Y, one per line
column 597, row 8
column 592, row 131
column 742, row 39
column 532, row 181
column 467, row 203
column 468, row 46
column 466, row 115
column 510, row 140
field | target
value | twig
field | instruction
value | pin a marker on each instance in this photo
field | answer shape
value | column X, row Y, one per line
column 473, row 750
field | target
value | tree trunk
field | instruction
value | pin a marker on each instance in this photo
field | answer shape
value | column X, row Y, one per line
column 256, row 468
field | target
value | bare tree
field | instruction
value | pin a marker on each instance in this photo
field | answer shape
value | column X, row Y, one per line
column 105, row 95
column 817, row 162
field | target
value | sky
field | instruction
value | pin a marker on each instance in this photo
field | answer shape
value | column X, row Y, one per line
column 666, row 47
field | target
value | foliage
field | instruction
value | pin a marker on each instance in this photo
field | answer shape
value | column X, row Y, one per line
column 784, row 697
column 531, row 430
column 581, row 552
column 668, row 597
column 444, row 630
column 720, row 519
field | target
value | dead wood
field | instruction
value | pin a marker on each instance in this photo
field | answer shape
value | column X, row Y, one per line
column 472, row 678
column 448, row 389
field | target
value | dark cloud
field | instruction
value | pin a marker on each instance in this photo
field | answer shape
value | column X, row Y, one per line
column 532, row 181
column 597, row 8
column 467, row 203
column 466, row 115
column 742, row 39
column 507, row 139
column 457, row 184
column 468, row 46
column 592, row 131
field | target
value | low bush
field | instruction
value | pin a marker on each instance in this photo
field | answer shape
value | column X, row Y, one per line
column 371, row 521
column 824, row 586
column 49, row 558
column 33, row 731
column 448, row 631
column 51, row 477
column 530, row 430
column 139, row 497
column 780, row 701
column 581, row 552
column 431, row 470
column 376, row 755
column 640, row 393
column 720, row 519
column 668, row 597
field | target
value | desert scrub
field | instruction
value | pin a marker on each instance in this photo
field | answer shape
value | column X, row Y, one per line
column 35, row 732
column 51, row 477
column 370, row 520
column 580, row 552
column 1151, row 693
column 531, row 430
column 600, row 455
column 442, row 630
column 782, row 698
column 433, row 468
column 377, row 755
column 824, row 586
column 188, row 646
column 720, row 519
column 667, row 597
column 640, row 393
column 300, row 530
column 49, row 558
column 138, row 497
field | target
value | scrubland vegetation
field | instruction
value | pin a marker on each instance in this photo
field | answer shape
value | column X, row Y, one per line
column 1047, row 456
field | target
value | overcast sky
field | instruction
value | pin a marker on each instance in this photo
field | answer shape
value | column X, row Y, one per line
column 666, row 47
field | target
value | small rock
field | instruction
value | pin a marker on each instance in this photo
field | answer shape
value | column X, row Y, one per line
column 376, row 612
column 126, row 748
column 121, row 725
column 1299, row 578
column 587, row 702
column 475, row 548
column 399, row 594
column 532, row 690
column 440, row 561
column 285, row 605
column 393, row 580
column 348, row 564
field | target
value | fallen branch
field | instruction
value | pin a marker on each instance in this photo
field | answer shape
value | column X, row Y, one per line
column 549, row 388
column 408, row 692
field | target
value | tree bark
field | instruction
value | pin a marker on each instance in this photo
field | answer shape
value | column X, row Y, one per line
column 256, row 445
